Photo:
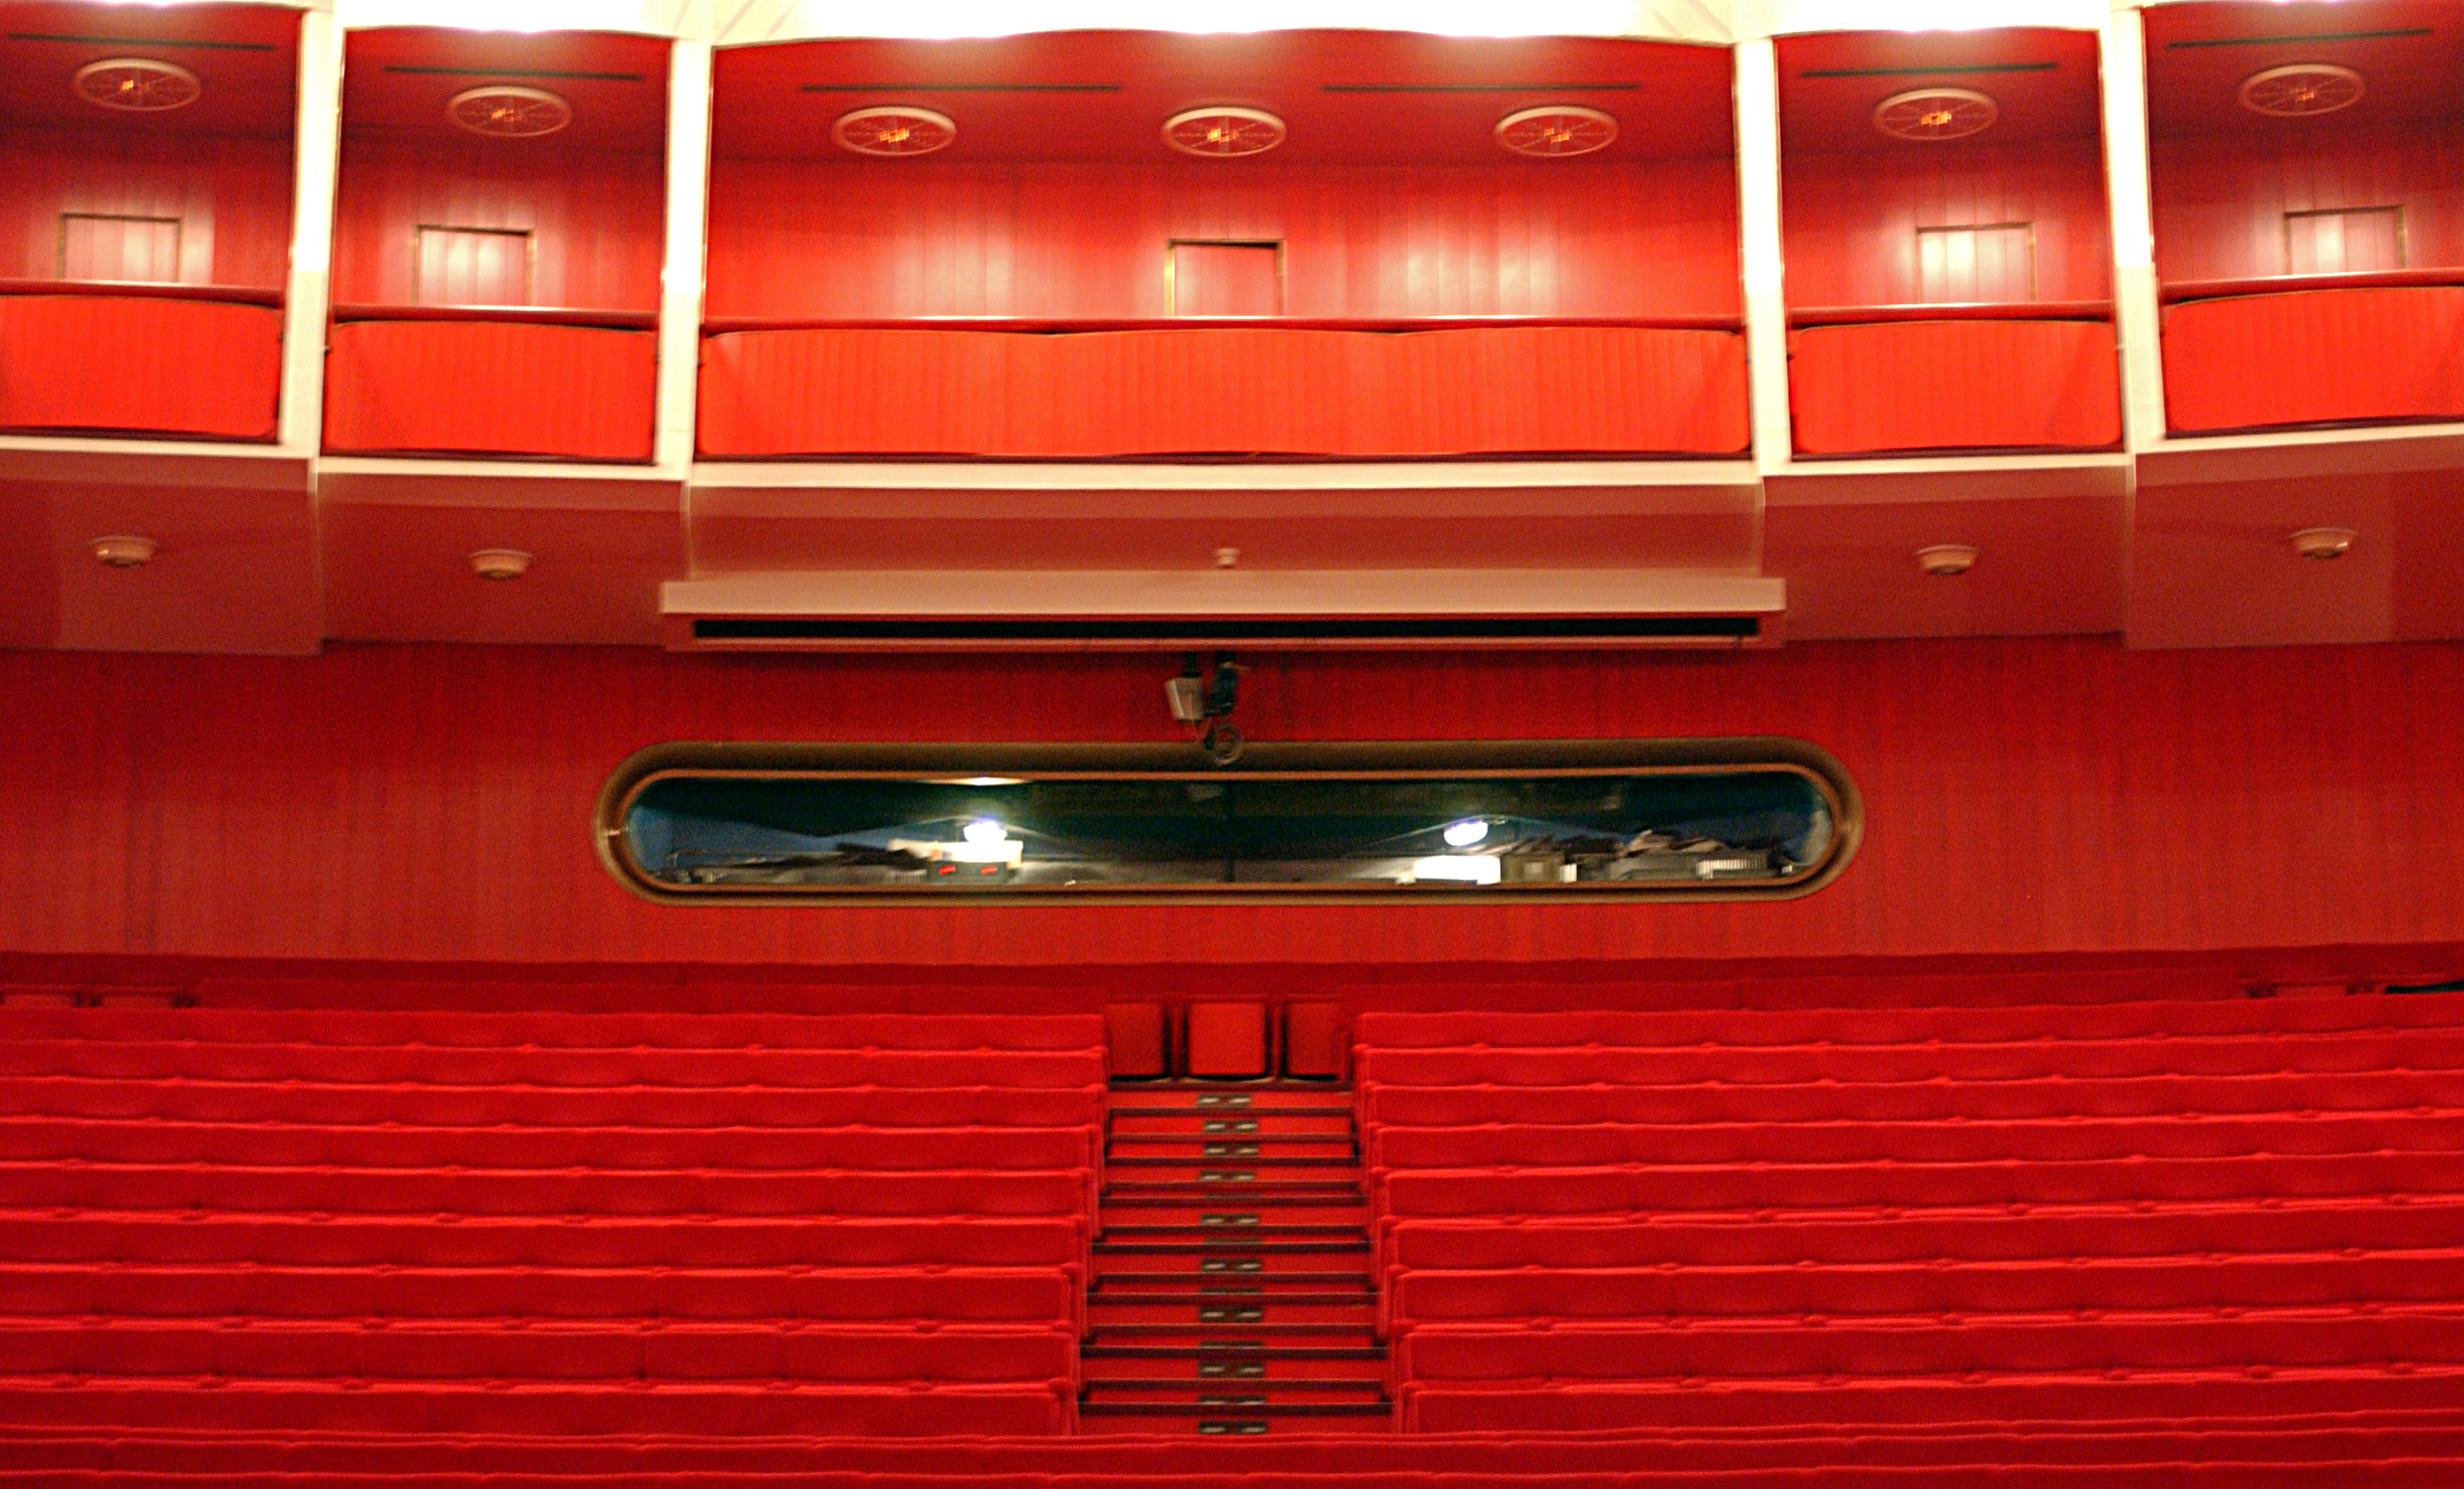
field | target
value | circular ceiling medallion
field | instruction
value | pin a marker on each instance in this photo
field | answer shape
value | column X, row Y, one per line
column 1223, row 133
column 1556, row 129
column 1936, row 114
column 509, row 112
column 2301, row 89
column 137, row 84
column 895, row 129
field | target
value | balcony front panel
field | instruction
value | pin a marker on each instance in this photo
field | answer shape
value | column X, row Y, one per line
column 1954, row 384
column 95, row 362
column 1164, row 391
column 2393, row 354
column 481, row 387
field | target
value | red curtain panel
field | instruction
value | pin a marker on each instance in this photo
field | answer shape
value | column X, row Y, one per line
column 1954, row 384
column 139, row 365
column 491, row 388
column 1476, row 391
column 2315, row 357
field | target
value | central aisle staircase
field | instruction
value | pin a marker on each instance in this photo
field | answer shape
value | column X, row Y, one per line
column 1232, row 1293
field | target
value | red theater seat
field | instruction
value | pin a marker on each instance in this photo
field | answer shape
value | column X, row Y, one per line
column 1140, row 1037
column 1226, row 1041
column 1313, row 1040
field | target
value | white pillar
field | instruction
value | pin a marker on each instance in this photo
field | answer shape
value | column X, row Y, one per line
column 2137, row 315
column 308, row 291
column 1758, row 209
column 680, row 290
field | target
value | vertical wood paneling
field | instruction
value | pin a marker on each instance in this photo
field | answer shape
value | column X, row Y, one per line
column 2220, row 201
column 1850, row 221
column 595, row 219
column 2024, row 796
column 794, row 238
column 232, row 199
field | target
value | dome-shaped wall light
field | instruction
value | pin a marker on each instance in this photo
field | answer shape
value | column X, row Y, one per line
column 895, row 129
column 122, row 550
column 1947, row 561
column 136, row 85
column 2322, row 543
column 2299, row 90
column 501, row 564
column 1223, row 133
column 1556, row 131
column 1936, row 114
column 505, row 111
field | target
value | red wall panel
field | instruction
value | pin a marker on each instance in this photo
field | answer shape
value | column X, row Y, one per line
column 2023, row 796
column 231, row 197
column 115, row 362
column 2314, row 357
column 490, row 387
column 1062, row 240
column 1954, row 384
column 596, row 220
column 1849, row 221
column 2220, row 200
column 1487, row 390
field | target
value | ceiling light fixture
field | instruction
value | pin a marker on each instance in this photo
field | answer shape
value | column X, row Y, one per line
column 1936, row 114
column 2322, row 543
column 136, row 85
column 1556, row 131
column 1223, row 133
column 2299, row 90
column 1947, row 561
column 506, row 111
column 501, row 564
column 895, row 129
column 984, row 831
column 124, row 550
column 1463, row 834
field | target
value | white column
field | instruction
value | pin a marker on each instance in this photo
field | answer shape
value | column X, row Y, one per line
column 308, row 291
column 681, row 280
column 1758, row 208
column 2136, row 312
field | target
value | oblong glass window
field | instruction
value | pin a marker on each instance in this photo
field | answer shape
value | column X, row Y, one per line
column 1585, row 818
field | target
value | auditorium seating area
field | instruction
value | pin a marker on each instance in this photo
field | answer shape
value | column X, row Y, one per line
column 1813, row 1222
column 274, row 1222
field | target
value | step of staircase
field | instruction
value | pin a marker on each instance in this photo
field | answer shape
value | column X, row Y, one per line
column 1231, row 1294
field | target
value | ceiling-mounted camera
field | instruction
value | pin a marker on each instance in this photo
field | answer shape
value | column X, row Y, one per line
column 1207, row 702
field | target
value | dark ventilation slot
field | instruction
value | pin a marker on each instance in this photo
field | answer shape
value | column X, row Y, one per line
column 141, row 41
column 1556, row 628
column 2312, row 39
column 417, row 71
column 960, row 87
column 1930, row 72
column 1525, row 87
column 2449, row 985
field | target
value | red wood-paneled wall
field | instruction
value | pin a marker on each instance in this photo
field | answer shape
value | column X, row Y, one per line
column 2024, row 796
column 800, row 239
column 596, row 220
column 2220, row 200
column 1849, row 221
column 231, row 196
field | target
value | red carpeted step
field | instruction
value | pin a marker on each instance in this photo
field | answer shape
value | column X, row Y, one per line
column 1276, row 1363
column 1280, row 1099
column 1133, row 1218
column 1110, row 1312
column 1197, row 1125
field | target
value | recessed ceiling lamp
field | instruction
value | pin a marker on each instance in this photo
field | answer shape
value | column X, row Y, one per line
column 122, row 550
column 509, row 112
column 501, row 564
column 2299, row 90
column 1223, row 133
column 136, row 85
column 1557, row 129
column 1936, row 114
column 895, row 129
column 1947, row 561
column 2322, row 543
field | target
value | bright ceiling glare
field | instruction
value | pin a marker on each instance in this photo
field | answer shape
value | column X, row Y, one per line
column 508, row 112
column 1556, row 130
column 895, row 129
column 1463, row 834
column 136, row 85
column 1936, row 114
column 984, row 831
column 1223, row 133
column 2299, row 90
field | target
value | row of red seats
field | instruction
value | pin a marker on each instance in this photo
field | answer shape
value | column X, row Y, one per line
column 286, row 1221
column 1822, row 1220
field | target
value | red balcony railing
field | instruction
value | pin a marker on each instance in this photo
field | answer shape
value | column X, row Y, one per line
column 194, row 361
column 1899, row 379
column 2365, row 348
column 1302, row 388
column 484, row 381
